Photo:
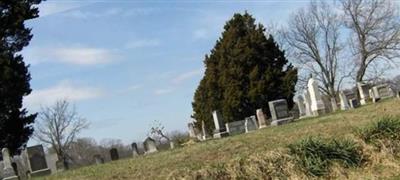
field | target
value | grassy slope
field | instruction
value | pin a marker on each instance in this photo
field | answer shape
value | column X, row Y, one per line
column 213, row 152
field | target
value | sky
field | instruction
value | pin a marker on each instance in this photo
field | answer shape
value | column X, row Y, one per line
column 125, row 64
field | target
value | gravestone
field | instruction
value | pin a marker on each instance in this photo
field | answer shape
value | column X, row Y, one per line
column 250, row 124
column 300, row 104
column 220, row 130
column 51, row 159
column 262, row 121
column 317, row 105
column 354, row 103
column 8, row 171
column 279, row 112
column 363, row 91
column 307, row 103
column 344, row 103
column 236, row 127
column 98, row 159
column 203, row 131
column 114, row 154
column 192, row 134
column 135, row 151
column 382, row 91
column 149, row 145
column 37, row 161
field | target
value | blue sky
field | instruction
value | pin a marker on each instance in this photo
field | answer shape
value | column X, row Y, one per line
column 125, row 64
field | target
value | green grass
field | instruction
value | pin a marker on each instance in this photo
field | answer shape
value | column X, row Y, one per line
column 258, row 154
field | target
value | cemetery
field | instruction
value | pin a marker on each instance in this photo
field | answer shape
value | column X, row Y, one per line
column 315, row 97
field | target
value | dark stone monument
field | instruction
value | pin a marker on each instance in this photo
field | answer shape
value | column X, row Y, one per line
column 279, row 112
column 135, row 151
column 37, row 161
column 114, row 154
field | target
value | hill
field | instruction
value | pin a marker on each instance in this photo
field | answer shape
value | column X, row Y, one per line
column 264, row 151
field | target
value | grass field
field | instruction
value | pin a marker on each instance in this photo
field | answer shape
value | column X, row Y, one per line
column 235, row 151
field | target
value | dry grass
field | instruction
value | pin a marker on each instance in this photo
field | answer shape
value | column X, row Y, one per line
column 257, row 155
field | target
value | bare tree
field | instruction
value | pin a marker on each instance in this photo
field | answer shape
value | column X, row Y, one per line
column 58, row 127
column 157, row 131
column 314, row 36
column 375, row 35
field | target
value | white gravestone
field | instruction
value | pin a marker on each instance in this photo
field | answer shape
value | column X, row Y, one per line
column 150, row 145
column 8, row 171
column 236, row 127
column 363, row 91
column 317, row 105
column 192, row 134
column 250, row 124
column 300, row 104
column 262, row 121
column 220, row 130
column 344, row 103
column 307, row 103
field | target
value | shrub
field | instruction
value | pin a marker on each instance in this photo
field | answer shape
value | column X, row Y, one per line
column 384, row 133
column 315, row 155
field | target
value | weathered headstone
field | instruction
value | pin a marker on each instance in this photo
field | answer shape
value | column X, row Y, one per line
column 220, row 130
column 203, row 131
column 363, row 91
column 279, row 112
column 192, row 134
column 51, row 159
column 300, row 104
column 382, row 91
column 98, row 159
column 317, row 105
column 250, row 124
column 344, row 103
column 354, row 103
column 37, row 161
column 135, row 151
column 8, row 171
column 150, row 145
column 262, row 120
column 307, row 103
column 236, row 127
column 114, row 154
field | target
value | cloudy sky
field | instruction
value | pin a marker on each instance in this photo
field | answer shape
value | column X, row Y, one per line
column 127, row 63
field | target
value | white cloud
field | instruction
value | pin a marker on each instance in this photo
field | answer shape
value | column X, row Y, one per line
column 163, row 91
column 48, row 8
column 70, row 55
column 63, row 90
column 120, row 12
column 187, row 75
column 142, row 43
column 130, row 89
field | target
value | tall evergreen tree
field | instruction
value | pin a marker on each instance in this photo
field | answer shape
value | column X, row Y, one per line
column 15, row 122
column 244, row 71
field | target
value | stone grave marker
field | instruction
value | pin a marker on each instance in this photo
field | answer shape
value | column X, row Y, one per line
column 363, row 91
column 135, row 151
column 250, row 124
column 192, row 133
column 114, row 154
column 98, row 159
column 382, row 91
column 37, row 161
column 236, row 127
column 307, row 103
column 279, row 112
column 317, row 105
column 149, row 145
column 8, row 170
column 262, row 120
column 354, row 103
column 344, row 103
column 301, row 106
column 220, row 130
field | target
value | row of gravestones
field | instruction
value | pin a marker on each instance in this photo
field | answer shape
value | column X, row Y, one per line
column 313, row 104
column 279, row 115
column 31, row 162
column 149, row 146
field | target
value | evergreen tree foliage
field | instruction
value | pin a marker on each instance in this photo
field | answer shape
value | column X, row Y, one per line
column 244, row 71
column 15, row 122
